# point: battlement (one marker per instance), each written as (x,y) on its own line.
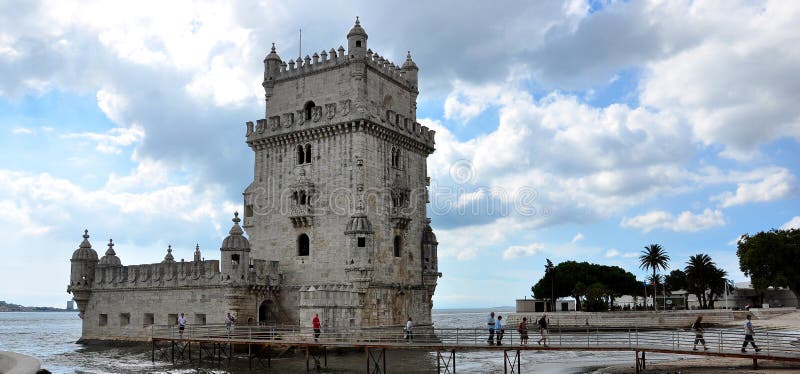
(333,58)
(267,129)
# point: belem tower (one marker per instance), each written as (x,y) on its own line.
(335,216)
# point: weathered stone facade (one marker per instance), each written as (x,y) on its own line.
(335,214)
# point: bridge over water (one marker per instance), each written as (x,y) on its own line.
(217,344)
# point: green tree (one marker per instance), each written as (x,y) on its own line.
(676,280)
(577,279)
(771,258)
(654,257)
(704,279)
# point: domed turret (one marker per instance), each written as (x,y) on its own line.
(357,40)
(235,251)
(84,261)
(110,259)
(235,239)
(410,70)
(272,64)
(197,257)
(84,251)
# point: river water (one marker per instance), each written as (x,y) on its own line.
(51,338)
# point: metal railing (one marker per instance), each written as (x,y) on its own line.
(779,343)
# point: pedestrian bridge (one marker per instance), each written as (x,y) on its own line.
(218,344)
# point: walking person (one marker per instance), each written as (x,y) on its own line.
(490,323)
(181,325)
(748,335)
(499,331)
(229,320)
(409,334)
(543,330)
(315,324)
(697,326)
(522,329)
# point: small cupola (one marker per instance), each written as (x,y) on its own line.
(235,239)
(357,40)
(272,64)
(84,251)
(410,70)
(110,259)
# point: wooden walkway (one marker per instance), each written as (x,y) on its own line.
(217,343)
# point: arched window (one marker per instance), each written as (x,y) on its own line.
(358,43)
(302,245)
(307,108)
(302,198)
(395,158)
(308,153)
(301,158)
(397,245)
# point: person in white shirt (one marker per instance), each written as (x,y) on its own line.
(748,335)
(490,323)
(181,324)
(409,326)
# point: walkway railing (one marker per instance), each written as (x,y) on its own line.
(777,343)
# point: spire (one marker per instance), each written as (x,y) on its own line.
(236,229)
(197,253)
(110,251)
(168,258)
(409,64)
(85,243)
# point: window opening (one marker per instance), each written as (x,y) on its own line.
(302,245)
(362,242)
(103,320)
(235,259)
(308,153)
(397,245)
(308,107)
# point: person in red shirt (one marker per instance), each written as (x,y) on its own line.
(316,325)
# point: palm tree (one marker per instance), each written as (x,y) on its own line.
(654,257)
(705,280)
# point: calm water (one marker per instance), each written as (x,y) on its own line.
(51,338)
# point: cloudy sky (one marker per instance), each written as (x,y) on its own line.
(565,130)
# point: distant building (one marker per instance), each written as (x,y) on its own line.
(541,305)
(71,305)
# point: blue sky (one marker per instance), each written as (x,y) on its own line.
(565,130)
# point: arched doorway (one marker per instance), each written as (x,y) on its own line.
(266,313)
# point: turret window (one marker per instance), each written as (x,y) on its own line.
(303,245)
(398,243)
(235,259)
(358,43)
(308,109)
(362,242)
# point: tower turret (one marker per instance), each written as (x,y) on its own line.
(168,258)
(410,70)
(197,257)
(357,40)
(83,261)
(360,239)
(272,64)
(235,252)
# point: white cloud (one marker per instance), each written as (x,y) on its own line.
(793,223)
(517,251)
(21,131)
(466,254)
(578,237)
(612,253)
(778,185)
(630,255)
(112,140)
(685,222)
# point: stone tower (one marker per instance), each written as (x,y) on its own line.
(339,192)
